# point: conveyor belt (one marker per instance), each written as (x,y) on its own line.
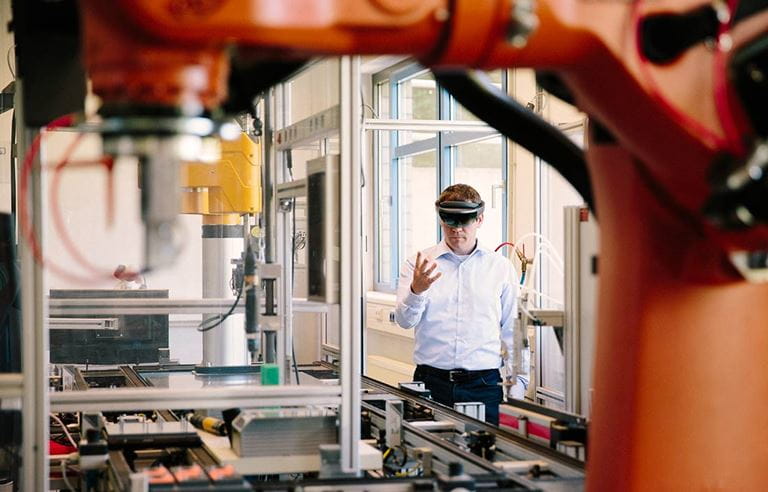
(442,412)
(567,473)
(445,443)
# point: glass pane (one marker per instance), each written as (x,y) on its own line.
(405,137)
(552,369)
(301,155)
(417,98)
(479,164)
(313,90)
(459,112)
(382,100)
(418,223)
(556,194)
(384,203)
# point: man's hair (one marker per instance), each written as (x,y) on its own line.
(459,193)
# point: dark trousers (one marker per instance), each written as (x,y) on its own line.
(483,387)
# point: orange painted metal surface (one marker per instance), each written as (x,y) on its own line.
(173,52)
(680,382)
(128,66)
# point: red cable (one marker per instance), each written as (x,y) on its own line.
(685,121)
(54,200)
(505,243)
(56,211)
(24,221)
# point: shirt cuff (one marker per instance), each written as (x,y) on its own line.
(415,300)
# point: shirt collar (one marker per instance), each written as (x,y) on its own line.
(444,249)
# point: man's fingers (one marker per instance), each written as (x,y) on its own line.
(435,277)
(431,269)
(418,261)
(426,263)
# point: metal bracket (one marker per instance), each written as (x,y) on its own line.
(394,422)
(473,409)
(269,271)
(292,189)
(330,462)
(424,455)
(83,324)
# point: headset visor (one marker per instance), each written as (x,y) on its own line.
(459,214)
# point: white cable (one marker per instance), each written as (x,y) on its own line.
(544,240)
(544,249)
(64,428)
(541,295)
(551,253)
(528,313)
(63,466)
(525,236)
(554,263)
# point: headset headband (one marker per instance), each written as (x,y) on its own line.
(460,208)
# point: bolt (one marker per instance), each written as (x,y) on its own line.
(523,21)
(442,14)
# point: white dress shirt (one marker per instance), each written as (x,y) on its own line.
(464,317)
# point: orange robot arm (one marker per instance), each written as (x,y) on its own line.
(680,383)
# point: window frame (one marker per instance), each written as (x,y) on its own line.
(444,144)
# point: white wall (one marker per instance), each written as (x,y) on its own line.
(82,204)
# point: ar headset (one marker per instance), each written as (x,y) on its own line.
(459,214)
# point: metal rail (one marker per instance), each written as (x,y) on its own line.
(429,125)
(443,412)
(150,398)
(11,385)
(88,307)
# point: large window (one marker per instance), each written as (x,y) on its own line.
(426,141)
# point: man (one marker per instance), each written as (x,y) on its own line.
(461,299)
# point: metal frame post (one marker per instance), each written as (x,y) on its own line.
(351,264)
(285,342)
(35,470)
(572,328)
(283,239)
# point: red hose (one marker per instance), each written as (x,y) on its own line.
(24,220)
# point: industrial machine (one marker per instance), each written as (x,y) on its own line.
(228,196)
(106,340)
(420,445)
(675,93)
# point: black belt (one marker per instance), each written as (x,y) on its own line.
(455,375)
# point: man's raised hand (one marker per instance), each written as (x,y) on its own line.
(424,274)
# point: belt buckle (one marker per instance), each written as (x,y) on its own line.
(454,376)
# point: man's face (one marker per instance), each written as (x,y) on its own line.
(461,240)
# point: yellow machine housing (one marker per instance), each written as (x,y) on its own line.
(227,189)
